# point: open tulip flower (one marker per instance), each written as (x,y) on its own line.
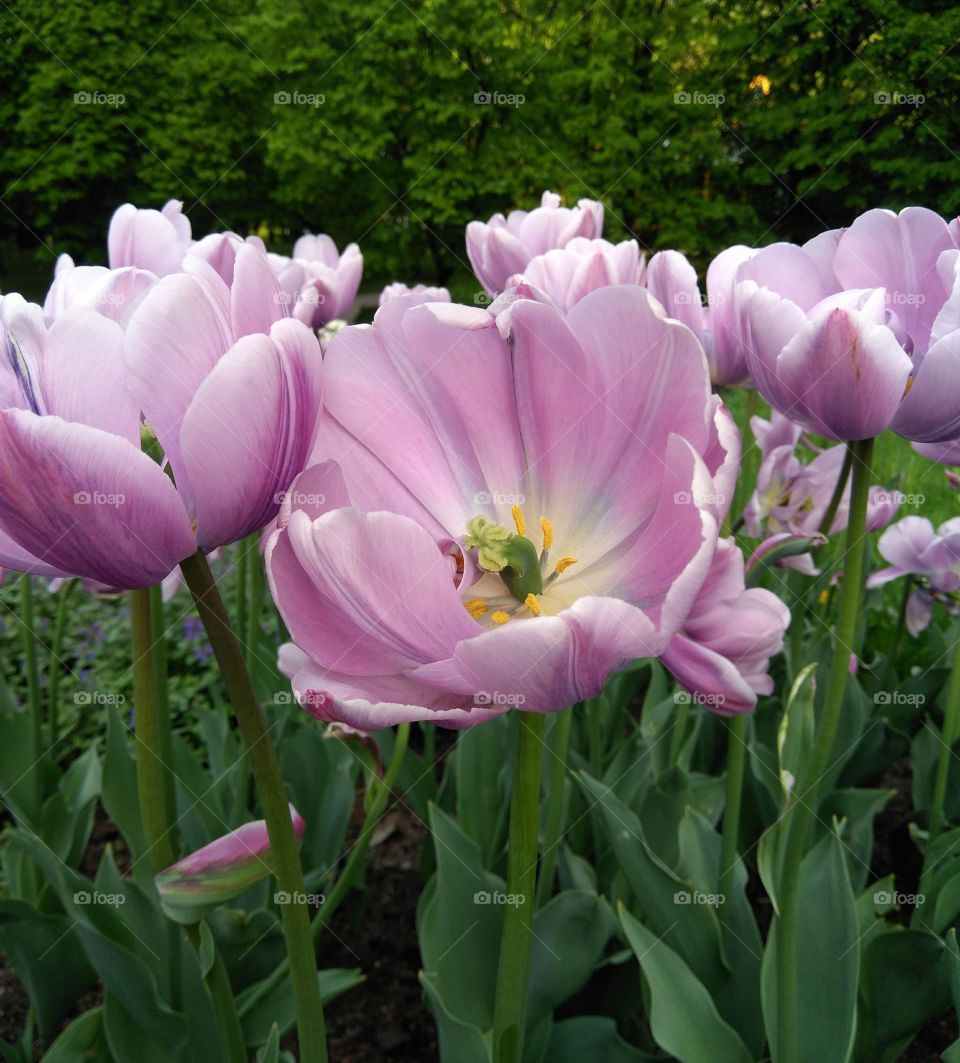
(504,246)
(504,521)
(226,382)
(859,331)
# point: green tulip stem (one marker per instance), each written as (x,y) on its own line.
(951,727)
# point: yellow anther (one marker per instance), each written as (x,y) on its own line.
(500,617)
(476,607)
(824,596)
(519,521)
(564,563)
(533,605)
(547,528)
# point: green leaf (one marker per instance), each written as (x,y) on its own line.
(827,960)
(903,983)
(259,1010)
(795,733)
(683,1017)
(482,777)
(459,1042)
(591,1037)
(120,798)
(47,955)
(84,1039)
(270,1052)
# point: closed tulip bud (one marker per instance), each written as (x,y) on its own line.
(219,871)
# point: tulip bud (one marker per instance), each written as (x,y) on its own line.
(219,871)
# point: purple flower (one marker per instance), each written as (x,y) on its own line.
(858,331)
(504,246)
(505,521)
(913,548)
(319,283)
(152,240)
(227,383)
(723,651)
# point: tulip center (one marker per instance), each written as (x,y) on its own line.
(523,569)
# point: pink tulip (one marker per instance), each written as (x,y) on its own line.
(419,293)
(152,240)
(228,385)
(504,246)
(565,275)
(219,871)
(792,497)
(862,339)
(722,653)
(913,548)
(505,521)
(111,292)
(319,283)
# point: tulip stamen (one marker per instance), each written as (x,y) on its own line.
(476,607)
(499,617)
(519,521)
(533,605)
(563,564)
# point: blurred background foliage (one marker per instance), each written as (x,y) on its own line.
(699,124)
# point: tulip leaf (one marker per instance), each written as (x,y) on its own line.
(270,1052)
(827,960)
(904,981)
(481,773)
(120,798)
(259,1007)
(84,1039)
(459,1042)
(683,1017)
(591,1037)
(47,955)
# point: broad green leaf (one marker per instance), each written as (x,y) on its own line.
(84,1039)
(683,1017)
(459,1042)
(591,1037)
(259,1007)
(482,778)
(827,961)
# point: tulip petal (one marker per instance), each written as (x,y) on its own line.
(250,430)
(88,503)
(930,413)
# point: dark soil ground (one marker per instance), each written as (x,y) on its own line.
(384,1019)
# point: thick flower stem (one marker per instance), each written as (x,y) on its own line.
(736,758)
(951,726)
(155,785)
(55,669)
(509,1012)
(33,690)
(273,799)
(153,776)
(560,740)
(804,807)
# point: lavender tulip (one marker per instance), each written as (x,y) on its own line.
(421,293)
(505,521)
(504,246)
(565,275)
(859,331)
(219,871)
(111,292)
(319,282)
(152,240)
(722,654)
(913,548)
(228,385)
